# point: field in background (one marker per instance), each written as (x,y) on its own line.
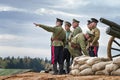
(4,72)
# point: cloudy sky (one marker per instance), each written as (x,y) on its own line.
(19,37)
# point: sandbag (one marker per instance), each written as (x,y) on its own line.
(117,61)
(111,67)
(83,56)
(93,60)
(75,72)
(104,59)
(82,67)
(116,73)
(75,66)
(82,60)
(75,58)
(99,66)
(87,71)
(101,72)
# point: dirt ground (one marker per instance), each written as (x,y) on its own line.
(46,76)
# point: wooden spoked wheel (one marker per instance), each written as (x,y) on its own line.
(111,49)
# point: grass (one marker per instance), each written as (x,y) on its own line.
(5,72)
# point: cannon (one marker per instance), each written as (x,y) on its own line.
(114,31)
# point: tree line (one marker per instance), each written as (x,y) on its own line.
(35,64)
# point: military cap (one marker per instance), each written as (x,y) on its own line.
(59,20)
(88,22)
(89,33)
(94,20)
(74,20)
(68,23)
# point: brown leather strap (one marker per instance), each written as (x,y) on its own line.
(56,37)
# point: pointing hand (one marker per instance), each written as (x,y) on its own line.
(36,24)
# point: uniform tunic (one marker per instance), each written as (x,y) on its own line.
(55,30)
(80,40)
(95,44)
(74,52)
(76,31)
(96,33)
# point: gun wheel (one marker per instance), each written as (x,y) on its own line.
(110,49)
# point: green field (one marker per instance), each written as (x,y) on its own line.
(4,72)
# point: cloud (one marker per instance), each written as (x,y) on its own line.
(25,41)
(109,3)
(8,37)
(6,51)
(70,4)
(91,8)
(11,40)
(16,14)
(43,11)
(76,4)
(9,8)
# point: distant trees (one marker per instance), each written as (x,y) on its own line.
(36,64)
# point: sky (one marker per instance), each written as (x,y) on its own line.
(19,37)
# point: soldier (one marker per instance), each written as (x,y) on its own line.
(80,40)
(66,51)
(94,44)
(57,43)
(89,25)
(90,49)
(77,29)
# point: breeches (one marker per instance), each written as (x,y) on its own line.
(57,54)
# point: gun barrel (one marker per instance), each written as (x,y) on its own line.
(110,23)
(113,32)
(113,29)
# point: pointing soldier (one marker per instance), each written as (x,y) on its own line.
(57,40)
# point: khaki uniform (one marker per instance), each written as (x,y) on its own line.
(76,31)
(60,41)
(74,52)
(57,44)
(96,37)
(93,50)
(93,43)
(79,41)
(67,39)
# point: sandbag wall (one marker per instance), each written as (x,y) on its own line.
(85,65)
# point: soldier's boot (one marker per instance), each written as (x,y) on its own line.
(60,69)
(68,69)
(55,71)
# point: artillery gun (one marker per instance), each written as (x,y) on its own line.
(114,31)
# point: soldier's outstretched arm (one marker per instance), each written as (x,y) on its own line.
(47,28)
(36,24)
